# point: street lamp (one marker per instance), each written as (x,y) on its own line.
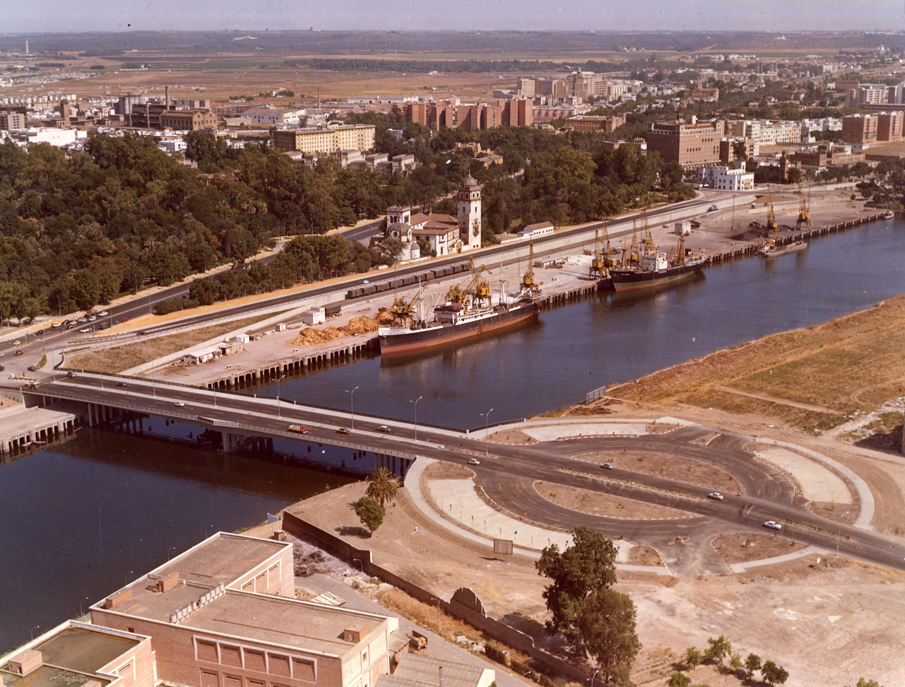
(360,568)
(278,394)
(352,405)
(593,676)
(416,415)
(486,428)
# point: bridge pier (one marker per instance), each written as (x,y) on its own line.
(231,441)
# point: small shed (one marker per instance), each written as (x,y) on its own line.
(683,228)
(242,339)
(314,316)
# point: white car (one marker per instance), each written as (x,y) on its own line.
(85,330)
(17,342)
(179,404)
(103,313)
(716,496)
(474,461)
(772,525)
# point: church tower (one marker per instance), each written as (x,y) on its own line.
(469,201)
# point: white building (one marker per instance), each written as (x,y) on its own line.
(55,137)
(274,116)
(726,178)
(469,204)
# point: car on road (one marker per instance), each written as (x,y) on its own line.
(385,429)
(20,352)
(103,313)
(92,318)
(17,342)
(56,324)
(772,525)
(343,430)
(179,404)
(82,320)
(85,330)
(607,466)
(712,208)
(125,319)
(474,461)
(120,384)
(715,495)
(32,368)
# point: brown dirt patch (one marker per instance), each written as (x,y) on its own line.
(443,470)
(598,503)
(124,357)
(512,436)
(846,514)
(742,548)
(681,469)
(356,327)
(848,364)
(644,555)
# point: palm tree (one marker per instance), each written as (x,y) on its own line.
(382,486)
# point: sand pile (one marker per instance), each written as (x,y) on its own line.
(356,327)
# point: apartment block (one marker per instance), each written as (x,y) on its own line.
(12,120)
(691,144)
(524,87)
(890,125)
(859,129)
(326,139)
(514,112)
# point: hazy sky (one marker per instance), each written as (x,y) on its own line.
(187,15)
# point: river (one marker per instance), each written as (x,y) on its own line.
(78,519)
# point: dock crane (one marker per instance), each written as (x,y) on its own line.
(772,231)
(529,286)
(403,311)
(804,215)
(602,260)
(633,256)
(477,288)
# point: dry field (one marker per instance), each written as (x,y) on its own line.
(124,357)
(741,548)
(679,468)
(814,379)
(597,503)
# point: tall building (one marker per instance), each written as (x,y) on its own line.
(860,129)
(12,120)
(890,125)
(469,204)
(326,140)
(514,112)
(691,144)
(524,87)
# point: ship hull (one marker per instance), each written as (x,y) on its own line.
(632,280)
(421,339)
(783,250)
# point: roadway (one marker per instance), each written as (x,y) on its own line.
(507,472)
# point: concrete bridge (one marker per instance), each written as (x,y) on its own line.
(239,419)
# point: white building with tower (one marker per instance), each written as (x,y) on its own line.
(469,202)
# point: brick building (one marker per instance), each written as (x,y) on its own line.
(515,112)
(890,125)
(691,144)
(859,129)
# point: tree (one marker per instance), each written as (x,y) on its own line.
(752,664)
(868,683)
(693,657)
(370,513)
(718,649)
(774,674)
(607,627)
(586,567)
(678,679)
(382,486)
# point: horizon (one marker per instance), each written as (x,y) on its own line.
(646,16)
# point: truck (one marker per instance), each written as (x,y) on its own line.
(301,429)
(417,640)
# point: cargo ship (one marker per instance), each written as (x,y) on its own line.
(467,313)
(654,269)
(769,249)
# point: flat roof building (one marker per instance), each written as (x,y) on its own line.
(859,129)
(691,144)
(326,139)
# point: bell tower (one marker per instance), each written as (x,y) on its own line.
(469,203)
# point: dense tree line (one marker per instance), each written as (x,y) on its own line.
(365,64)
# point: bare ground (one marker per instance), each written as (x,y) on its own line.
(597,503)
(512,436)
(124,357)
(679,468)
(742,548)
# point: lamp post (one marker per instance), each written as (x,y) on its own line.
(486,428)
(360,568)
(416,415)
(593,676)
(352,405)
(278,394)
